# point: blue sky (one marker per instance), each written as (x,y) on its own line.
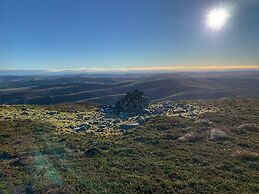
(74,34)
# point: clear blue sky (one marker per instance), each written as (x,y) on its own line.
(70,34)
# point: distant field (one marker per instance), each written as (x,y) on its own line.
(214,153)
(106,89)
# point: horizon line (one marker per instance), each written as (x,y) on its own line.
(144,69)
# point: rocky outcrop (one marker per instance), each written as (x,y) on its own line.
(133,103)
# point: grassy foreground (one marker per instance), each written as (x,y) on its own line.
(215,153)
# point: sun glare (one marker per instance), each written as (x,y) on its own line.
(217,18)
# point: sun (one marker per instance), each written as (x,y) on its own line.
(217,18)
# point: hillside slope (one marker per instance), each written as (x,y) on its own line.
(216,152)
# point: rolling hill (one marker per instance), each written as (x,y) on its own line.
(106,89)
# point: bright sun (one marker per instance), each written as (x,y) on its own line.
(217,18)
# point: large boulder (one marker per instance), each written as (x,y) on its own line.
(133,103)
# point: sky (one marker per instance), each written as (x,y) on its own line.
(127,35)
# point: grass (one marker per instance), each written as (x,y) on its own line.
(38,157)
(248,155)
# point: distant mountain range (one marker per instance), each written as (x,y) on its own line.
(106,89)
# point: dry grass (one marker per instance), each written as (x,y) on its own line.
(250,127)
(192,137)
(247,155)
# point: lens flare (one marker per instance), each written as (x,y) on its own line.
(217,18)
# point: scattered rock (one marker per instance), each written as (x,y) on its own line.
(141,120)
(102,126)
(122,116)
(107,110)
(167,105)
(116,121)
(52,112)
(100,130)
(178,111)
(80,129)
(85,124)
(24,114)
(147,111)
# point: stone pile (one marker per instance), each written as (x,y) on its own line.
(133,103)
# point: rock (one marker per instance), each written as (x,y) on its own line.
(132,103)
(191,137)
(218,135)
(95,122)
(100,130)
(86,118)
(141,120)
(178,111)
(79,116)
(107,110)
(190,113)
(116,121)
(147,111)
(52,112)
(180,105)
(167,105)
(85,124)
(159,111)
(80,129)
(186,137)
(71,126)
(122,116)
(127,126)
(24,114)
(190,109)
(102,126)
(92,152)
(204,121)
